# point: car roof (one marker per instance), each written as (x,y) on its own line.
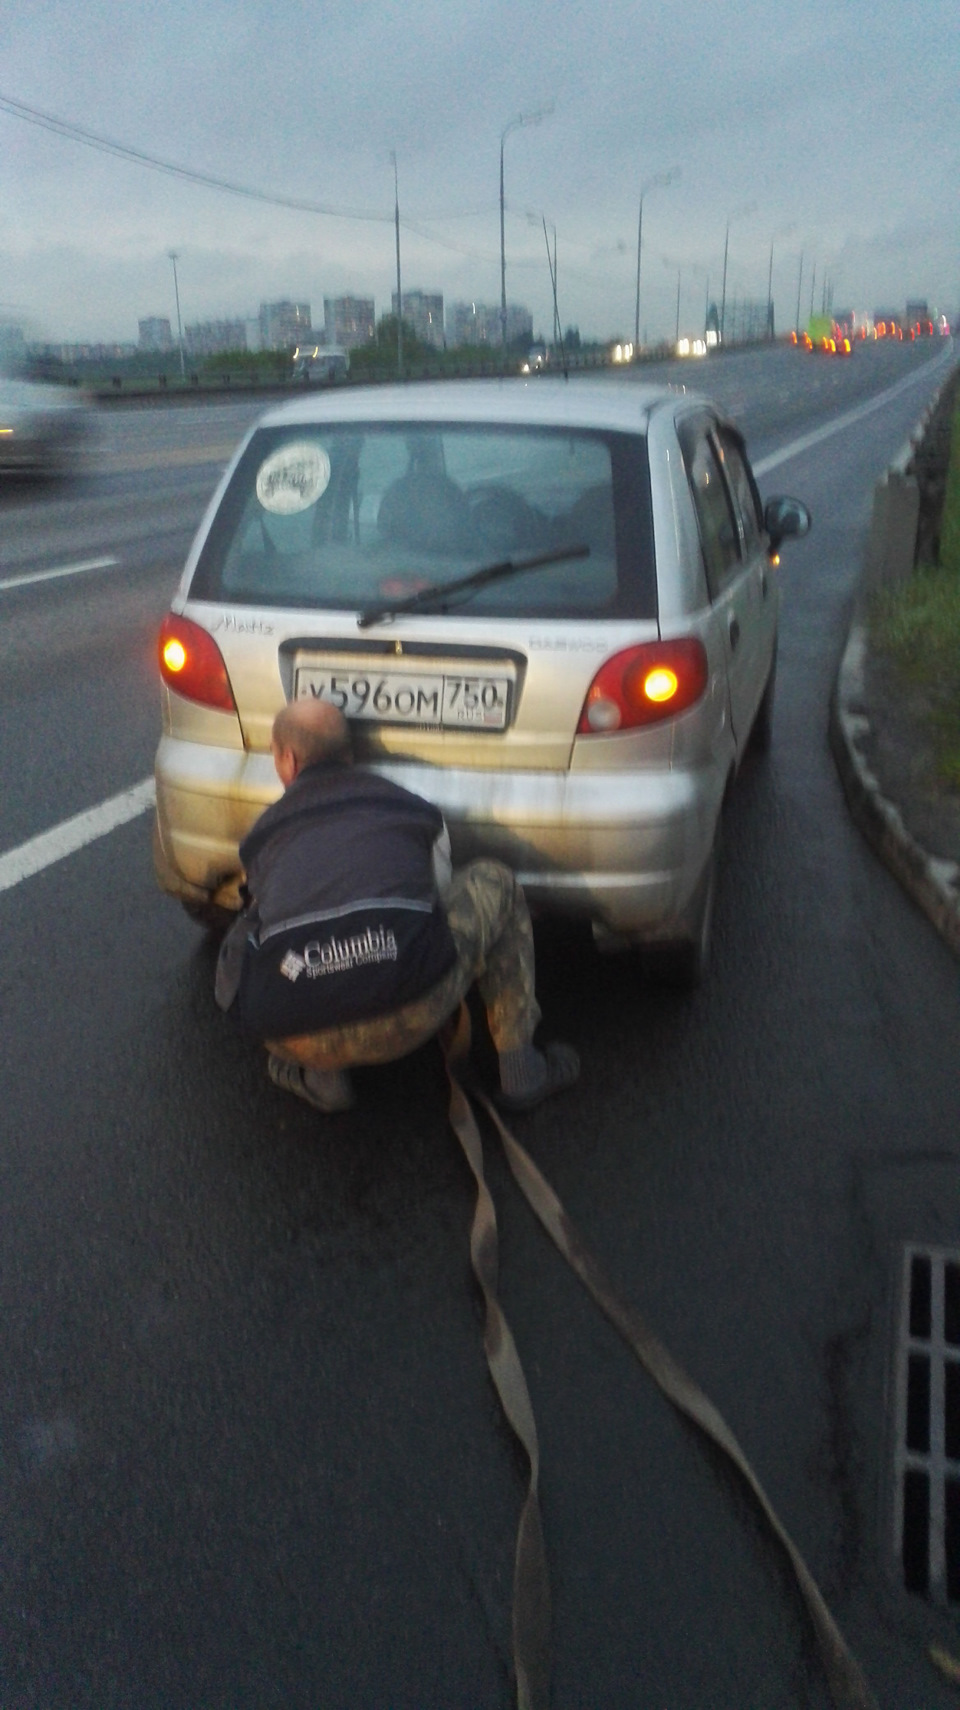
(622,405)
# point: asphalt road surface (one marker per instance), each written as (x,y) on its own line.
(249,1453)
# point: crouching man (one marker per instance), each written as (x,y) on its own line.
(358,942)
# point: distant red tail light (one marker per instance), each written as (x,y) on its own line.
(644,685)
(192,665)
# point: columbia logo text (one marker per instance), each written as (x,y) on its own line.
(339,955)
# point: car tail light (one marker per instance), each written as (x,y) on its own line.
(192,665)
(644,685)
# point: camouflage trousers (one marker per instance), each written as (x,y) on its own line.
(490,923)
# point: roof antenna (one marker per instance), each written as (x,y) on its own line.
(552,264)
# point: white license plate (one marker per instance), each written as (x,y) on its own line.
(449,699)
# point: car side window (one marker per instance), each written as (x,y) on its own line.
(719,535)
(744,492)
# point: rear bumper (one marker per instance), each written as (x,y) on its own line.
(622,848)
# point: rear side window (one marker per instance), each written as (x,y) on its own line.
(719,535)
(743,490)
(345,515)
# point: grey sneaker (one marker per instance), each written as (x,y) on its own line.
(328,1090)
(561,1070)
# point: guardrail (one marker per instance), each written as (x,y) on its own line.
(169,389)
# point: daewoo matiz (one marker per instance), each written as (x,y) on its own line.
(551,608)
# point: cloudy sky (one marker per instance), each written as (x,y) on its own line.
(831,129)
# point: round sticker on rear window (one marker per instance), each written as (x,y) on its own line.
(293,477)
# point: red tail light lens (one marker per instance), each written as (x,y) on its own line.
(191,664)
(644,685)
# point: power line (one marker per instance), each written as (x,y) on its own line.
(173,169)
(108,145)
(124,151)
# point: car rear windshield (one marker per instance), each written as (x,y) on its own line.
(346,516)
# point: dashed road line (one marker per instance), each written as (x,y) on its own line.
(40,852)
(61,570)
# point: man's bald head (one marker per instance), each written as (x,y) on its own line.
(307,733)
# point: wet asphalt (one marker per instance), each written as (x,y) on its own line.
(249,1453)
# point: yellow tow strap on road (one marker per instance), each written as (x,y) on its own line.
(531,1590)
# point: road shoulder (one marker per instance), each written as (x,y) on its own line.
(879,752)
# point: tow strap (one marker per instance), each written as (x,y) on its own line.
(531,1588)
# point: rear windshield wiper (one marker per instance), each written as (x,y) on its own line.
(460,584)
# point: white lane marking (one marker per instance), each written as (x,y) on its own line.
(63,570)
(73,834)
(796,446)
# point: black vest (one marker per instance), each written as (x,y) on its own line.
(347,925)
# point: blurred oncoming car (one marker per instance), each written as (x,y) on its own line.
(44,430)
(550,608)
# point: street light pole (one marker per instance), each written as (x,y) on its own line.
(174,257)
(657,183)
(799,288)
(677,336)
(516,124)
(636,318)
(783,232)
(541,219)
(552,265)
(396,221)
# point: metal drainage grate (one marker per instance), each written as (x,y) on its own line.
(927,1491)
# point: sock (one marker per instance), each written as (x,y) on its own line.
(522,1071)
(332,1086)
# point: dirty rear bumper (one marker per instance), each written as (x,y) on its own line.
(625,849)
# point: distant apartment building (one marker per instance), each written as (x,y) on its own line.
(349,321)
(13,348)
(423,311)
(154,333)
(68,353)
(472,323)
(479,323)
(284,324)
(210,338)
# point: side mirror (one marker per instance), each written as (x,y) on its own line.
(785,519)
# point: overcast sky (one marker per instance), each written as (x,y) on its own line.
(839,121)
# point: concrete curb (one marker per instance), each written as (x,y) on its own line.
(933,885)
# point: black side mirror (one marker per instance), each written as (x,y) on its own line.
(785,519)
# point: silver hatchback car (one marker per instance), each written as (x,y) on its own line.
(550,608)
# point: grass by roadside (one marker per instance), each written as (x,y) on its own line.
(917,626)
